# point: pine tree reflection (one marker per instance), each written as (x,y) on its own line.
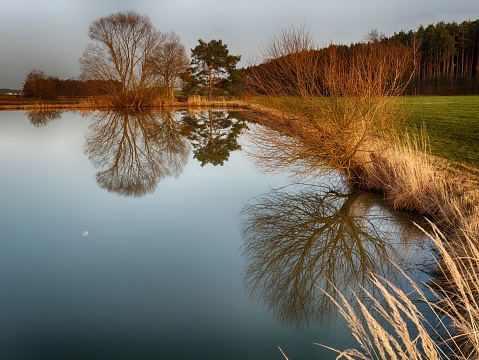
(42,118)
(296,244)
(135,150)
(213,134)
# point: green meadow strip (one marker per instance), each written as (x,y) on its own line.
(451,123)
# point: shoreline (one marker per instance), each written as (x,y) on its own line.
(100,104)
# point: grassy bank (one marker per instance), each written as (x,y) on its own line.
(413,172)
(451,123)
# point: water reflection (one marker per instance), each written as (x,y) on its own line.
(135,150)
(42,118)
(298,242)
(214,134)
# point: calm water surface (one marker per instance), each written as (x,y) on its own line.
(154,237)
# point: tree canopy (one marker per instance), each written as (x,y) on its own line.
(448,57)
(211,63)
(126,52)
(169,61)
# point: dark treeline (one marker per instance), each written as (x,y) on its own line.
(42,86)
(445,61)
(448,58)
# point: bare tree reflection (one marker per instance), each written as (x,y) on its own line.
(297,243)
(214,134)
(135,150)
(42,118)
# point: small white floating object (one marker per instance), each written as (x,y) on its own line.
(85,233)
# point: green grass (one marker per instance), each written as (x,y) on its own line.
(451,123)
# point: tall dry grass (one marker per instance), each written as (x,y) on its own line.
(221,101)
(410,179)
(402,331)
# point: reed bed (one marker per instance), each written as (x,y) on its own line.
(410,179)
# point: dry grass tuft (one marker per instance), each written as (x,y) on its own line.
(402,332)
(222,102)
(410,179)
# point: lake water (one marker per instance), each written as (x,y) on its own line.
(154,237)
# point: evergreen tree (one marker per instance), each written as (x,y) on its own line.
(212,65)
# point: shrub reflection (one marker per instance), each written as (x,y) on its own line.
(299,243)
(42,118)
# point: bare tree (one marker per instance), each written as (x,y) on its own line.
(290,67)
(37,84)
(337,106)
(32,81)
(169,61)
(119,55)
(373,36)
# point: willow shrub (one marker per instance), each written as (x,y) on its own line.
(337,103)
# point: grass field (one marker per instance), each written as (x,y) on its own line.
(452,124)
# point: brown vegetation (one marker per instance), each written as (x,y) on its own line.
(98,102)
(20,103)
(338,109)
(338,105)
(452,297)
(126,53)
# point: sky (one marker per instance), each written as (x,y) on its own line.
(51,35)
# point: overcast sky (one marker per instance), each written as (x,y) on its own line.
(51,35)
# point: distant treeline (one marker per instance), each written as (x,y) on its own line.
(41,86)
(445,59)
(448,58)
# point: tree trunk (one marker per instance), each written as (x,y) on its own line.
(211,82)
